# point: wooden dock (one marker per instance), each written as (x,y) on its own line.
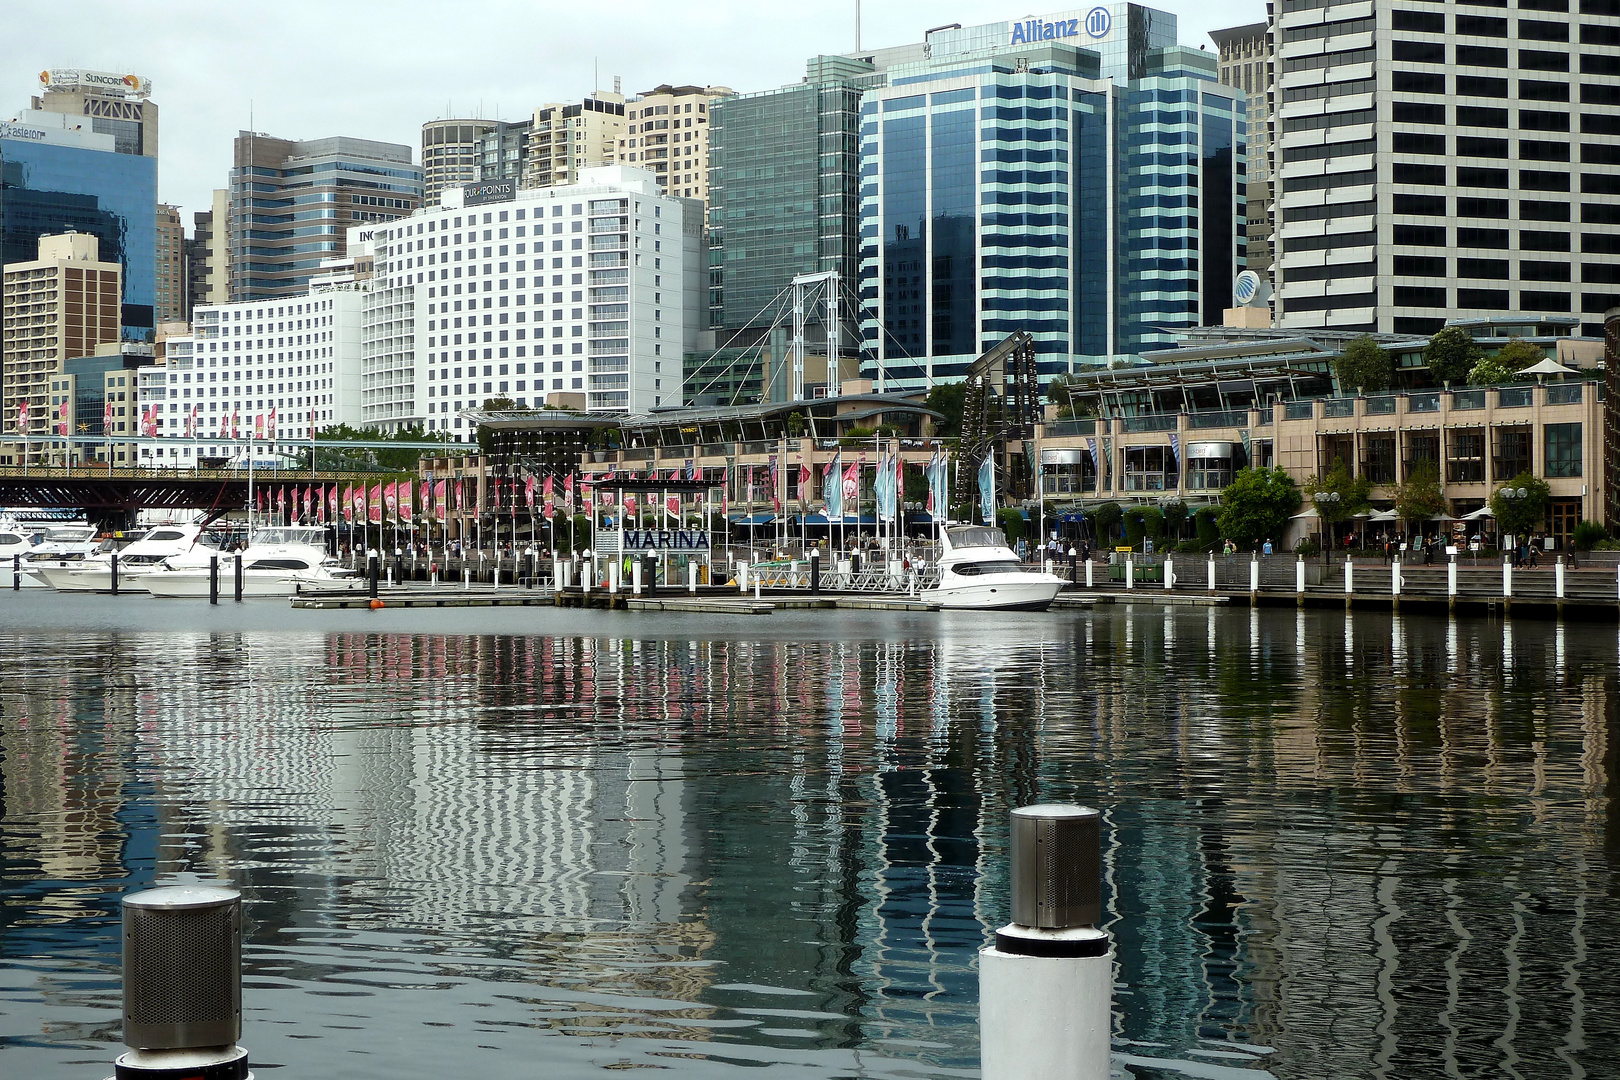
(714,601)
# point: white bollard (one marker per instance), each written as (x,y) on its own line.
(1507,577)
(1254,575)
(691,577)
(613,577)
(742,577)
(1212,573)
(1046,985)
(556,575)
(1088,573)
(1451,578)
(1169,574)
(585,575)
(756,586)
(390,575)
(635,577)
(1130,573)
(1395,578)
(1349,576)
(466,576)
(1558,578)
(1299,574)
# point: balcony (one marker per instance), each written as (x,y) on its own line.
(1565,393)
(1299,410)
(1466,400)
(1232,418)
(1423,403)
(1058,429)
(1513,397)
(1383,405)
(1159,422)
(1337,408)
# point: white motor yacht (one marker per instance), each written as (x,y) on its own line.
(15,546)
(94,574)
(278,561)
(62,547)
(978,570)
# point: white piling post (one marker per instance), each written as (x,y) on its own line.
(1212,573)
(1395,578)
(613,577)
(1046,985)
(585,575)
(1558,578)
(691,577)
(390,575)
(1349,576)
(1088,573)
(1451,578)
(1507,577)
(1254,575)
(466,576)
(1299,575)
(756,586)
(1169,574)
(556,576)
(635,577)
(1130,573)
(742,577)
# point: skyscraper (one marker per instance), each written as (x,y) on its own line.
(783,199)
(1446,162)
(116,105)
(450,152)
(170,296)
(1246,64)
(667,133)
(1078,176)
(563,139)
(300,198)
(58,176)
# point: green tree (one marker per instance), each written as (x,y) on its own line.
(1521,516)
(1452,353)
(1506,364)
(1342,497)
(1206,523)
(1142,522)
(1364,365)
(947,399)
(1175,518)
(1061,392)
(1011,523)
(1420,497)
(1257,504)
(1103,519)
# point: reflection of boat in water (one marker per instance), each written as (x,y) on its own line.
(279,560)
(978,570)
(144,556)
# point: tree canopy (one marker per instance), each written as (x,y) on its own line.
(1521,516)
(948,398)
(1506,364)
(1364,365)
(1420,496)
(1060,392)
(1352,492)
(1257,504)
(1452,353)
(369,457)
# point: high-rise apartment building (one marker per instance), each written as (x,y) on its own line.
(116,105)
(784,199)
(170,296)
(502,151)
(450,153)
(291,204)
(61,304)
(590,288)
(1438,161)
(667,134)
(1245,64)
(563,139)
(58,176)
(1078,176)
(208,255)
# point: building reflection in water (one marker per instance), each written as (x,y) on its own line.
(1337,845)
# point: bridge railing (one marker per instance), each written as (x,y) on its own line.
(90,471)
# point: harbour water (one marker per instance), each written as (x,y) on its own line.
(561,843)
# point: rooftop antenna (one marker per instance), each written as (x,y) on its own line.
(857,25)
(596,75)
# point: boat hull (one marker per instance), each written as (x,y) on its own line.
(94,580)
(997,593)
(187,584)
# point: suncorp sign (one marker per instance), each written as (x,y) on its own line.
(1092,26)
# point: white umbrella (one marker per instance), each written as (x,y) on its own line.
(1482,512)
(1383,515)
(1548,366)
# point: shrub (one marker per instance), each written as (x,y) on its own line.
(1105,517)
(1206,524)
(1011,522)
(1191,547)
(1307,548)
(1587,535)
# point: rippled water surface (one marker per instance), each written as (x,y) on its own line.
(562,844)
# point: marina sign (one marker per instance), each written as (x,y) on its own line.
(652,540)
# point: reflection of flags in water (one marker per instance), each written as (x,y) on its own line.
(832,486)
(987,490)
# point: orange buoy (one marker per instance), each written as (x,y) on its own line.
(377,605)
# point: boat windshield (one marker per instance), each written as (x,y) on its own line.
(290,535)
(976,536)
(975,569)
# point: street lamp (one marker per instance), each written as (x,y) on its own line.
(1323,499)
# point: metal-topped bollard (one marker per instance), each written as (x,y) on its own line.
(183,985)
(1046,985)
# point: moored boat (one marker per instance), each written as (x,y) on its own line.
(279,560)
(979,571)
(94,573)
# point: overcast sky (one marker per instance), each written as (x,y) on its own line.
(305,69)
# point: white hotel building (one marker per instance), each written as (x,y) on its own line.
(590,291)
(297,357)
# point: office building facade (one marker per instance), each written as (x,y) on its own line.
(450,153)
(56,176)
(592,288)
(667,134)
(110,103)
(171,266)
(291,204)
(1077,176)
(783,192)
(1245,63)
(61,304)
(1437,162)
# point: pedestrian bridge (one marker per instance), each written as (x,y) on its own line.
(103,493)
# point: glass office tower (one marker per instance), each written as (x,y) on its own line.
(1076,176)
(53,182)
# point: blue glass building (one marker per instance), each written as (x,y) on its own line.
(1077,176)
(49,185)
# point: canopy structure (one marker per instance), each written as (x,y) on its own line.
(1383,515)
(1482,512)
(755,519)
(1548,366)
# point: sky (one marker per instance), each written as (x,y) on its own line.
(308,69)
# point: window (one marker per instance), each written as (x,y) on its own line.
(1415,296)
(1422,205)
(1419,236)
(1482,26)
(1419,52)
(1419,82)
(1542,180)
(1472,146)
(1420,266)
(1425,22)
(1468,176)
(1419,112)
(1481,86)
(1538,150)
(1495,269)
(1473,116)
(1532,210)
(1537,90)
(1495,239)
(1481,56)
(1542,30)
(1482,208)
(1407,142)
(1562,450)
(1543,241)
(1408,173)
